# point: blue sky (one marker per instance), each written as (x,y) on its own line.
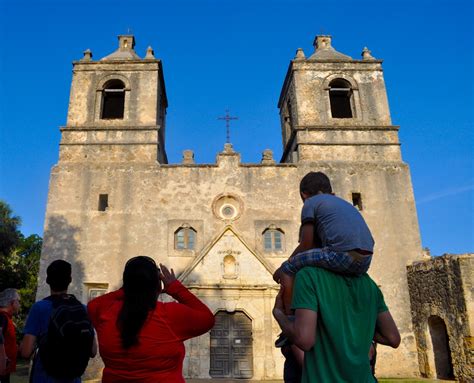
(234,54)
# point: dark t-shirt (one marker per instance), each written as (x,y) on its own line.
(338,224)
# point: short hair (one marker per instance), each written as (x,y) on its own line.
(58,275)
(7,296)
(315,182)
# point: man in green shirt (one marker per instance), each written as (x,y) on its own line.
(336,319)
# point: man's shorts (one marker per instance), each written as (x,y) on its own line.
(346,263)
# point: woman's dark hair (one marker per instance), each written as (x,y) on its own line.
(315,182)
(141,285)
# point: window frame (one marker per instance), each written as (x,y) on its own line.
(99,99)
(110,88)
(341,88)
(356,108)
(271,234)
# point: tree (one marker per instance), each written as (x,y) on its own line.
(19,260)
(9,233)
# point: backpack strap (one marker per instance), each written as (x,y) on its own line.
(57,299)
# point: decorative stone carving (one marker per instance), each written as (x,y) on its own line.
(227,207)
(367,54)
(188,157)
(87,55)
(300,54)
(267,157)
(150,54)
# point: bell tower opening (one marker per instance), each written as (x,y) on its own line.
(340,97)
(113,100)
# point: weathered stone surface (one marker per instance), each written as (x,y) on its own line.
(442,290)
(228,204)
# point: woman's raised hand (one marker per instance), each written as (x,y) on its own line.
(167,276)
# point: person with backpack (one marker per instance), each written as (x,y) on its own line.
(58,332)
(9,305)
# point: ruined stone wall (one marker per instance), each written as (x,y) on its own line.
(442,288)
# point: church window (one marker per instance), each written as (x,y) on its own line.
(185,238)
(95,290)
(273,240)
(340,97)
(113,100)
(357,200)
(103,202)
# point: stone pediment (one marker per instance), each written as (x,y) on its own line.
(228,261)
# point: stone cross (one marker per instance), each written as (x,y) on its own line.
(227,119)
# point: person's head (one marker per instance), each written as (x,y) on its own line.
(58,275)
(10,301)
(141,285)
(315,183)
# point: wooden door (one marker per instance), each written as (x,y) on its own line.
(231,346)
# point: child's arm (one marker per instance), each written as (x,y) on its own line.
(307,239)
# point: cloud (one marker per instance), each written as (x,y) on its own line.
(444,193)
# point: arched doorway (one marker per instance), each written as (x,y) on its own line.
(231,346)
(441,351)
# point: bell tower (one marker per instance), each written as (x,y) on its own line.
(117,108)
(335,118)
(333,107)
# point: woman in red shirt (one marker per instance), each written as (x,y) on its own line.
(140,339)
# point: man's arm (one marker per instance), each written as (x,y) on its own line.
(301,332)
(386,331)
(27,346)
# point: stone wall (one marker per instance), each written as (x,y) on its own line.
(148,201)
(147,204)
(442,296)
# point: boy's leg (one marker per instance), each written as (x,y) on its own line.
(339,262)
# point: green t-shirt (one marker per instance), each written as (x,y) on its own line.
(347,310)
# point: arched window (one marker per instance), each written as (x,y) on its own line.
(340,97)
(113,100)
(185,238)
(273,239)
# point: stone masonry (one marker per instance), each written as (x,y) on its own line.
(226,226)
(442,296)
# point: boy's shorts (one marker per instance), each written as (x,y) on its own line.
(346,263)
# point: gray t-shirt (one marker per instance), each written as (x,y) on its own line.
(338,224)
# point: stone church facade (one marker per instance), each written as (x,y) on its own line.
(226,226)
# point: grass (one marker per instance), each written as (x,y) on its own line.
(21,376)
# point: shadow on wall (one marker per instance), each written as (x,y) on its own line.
(61,242)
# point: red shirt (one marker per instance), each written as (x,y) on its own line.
(11,348)
(159,355)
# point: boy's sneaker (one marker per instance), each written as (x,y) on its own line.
(281,341)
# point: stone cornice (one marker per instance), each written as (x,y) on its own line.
(347,127)
(106,127)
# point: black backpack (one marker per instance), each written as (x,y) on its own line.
(65,350)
